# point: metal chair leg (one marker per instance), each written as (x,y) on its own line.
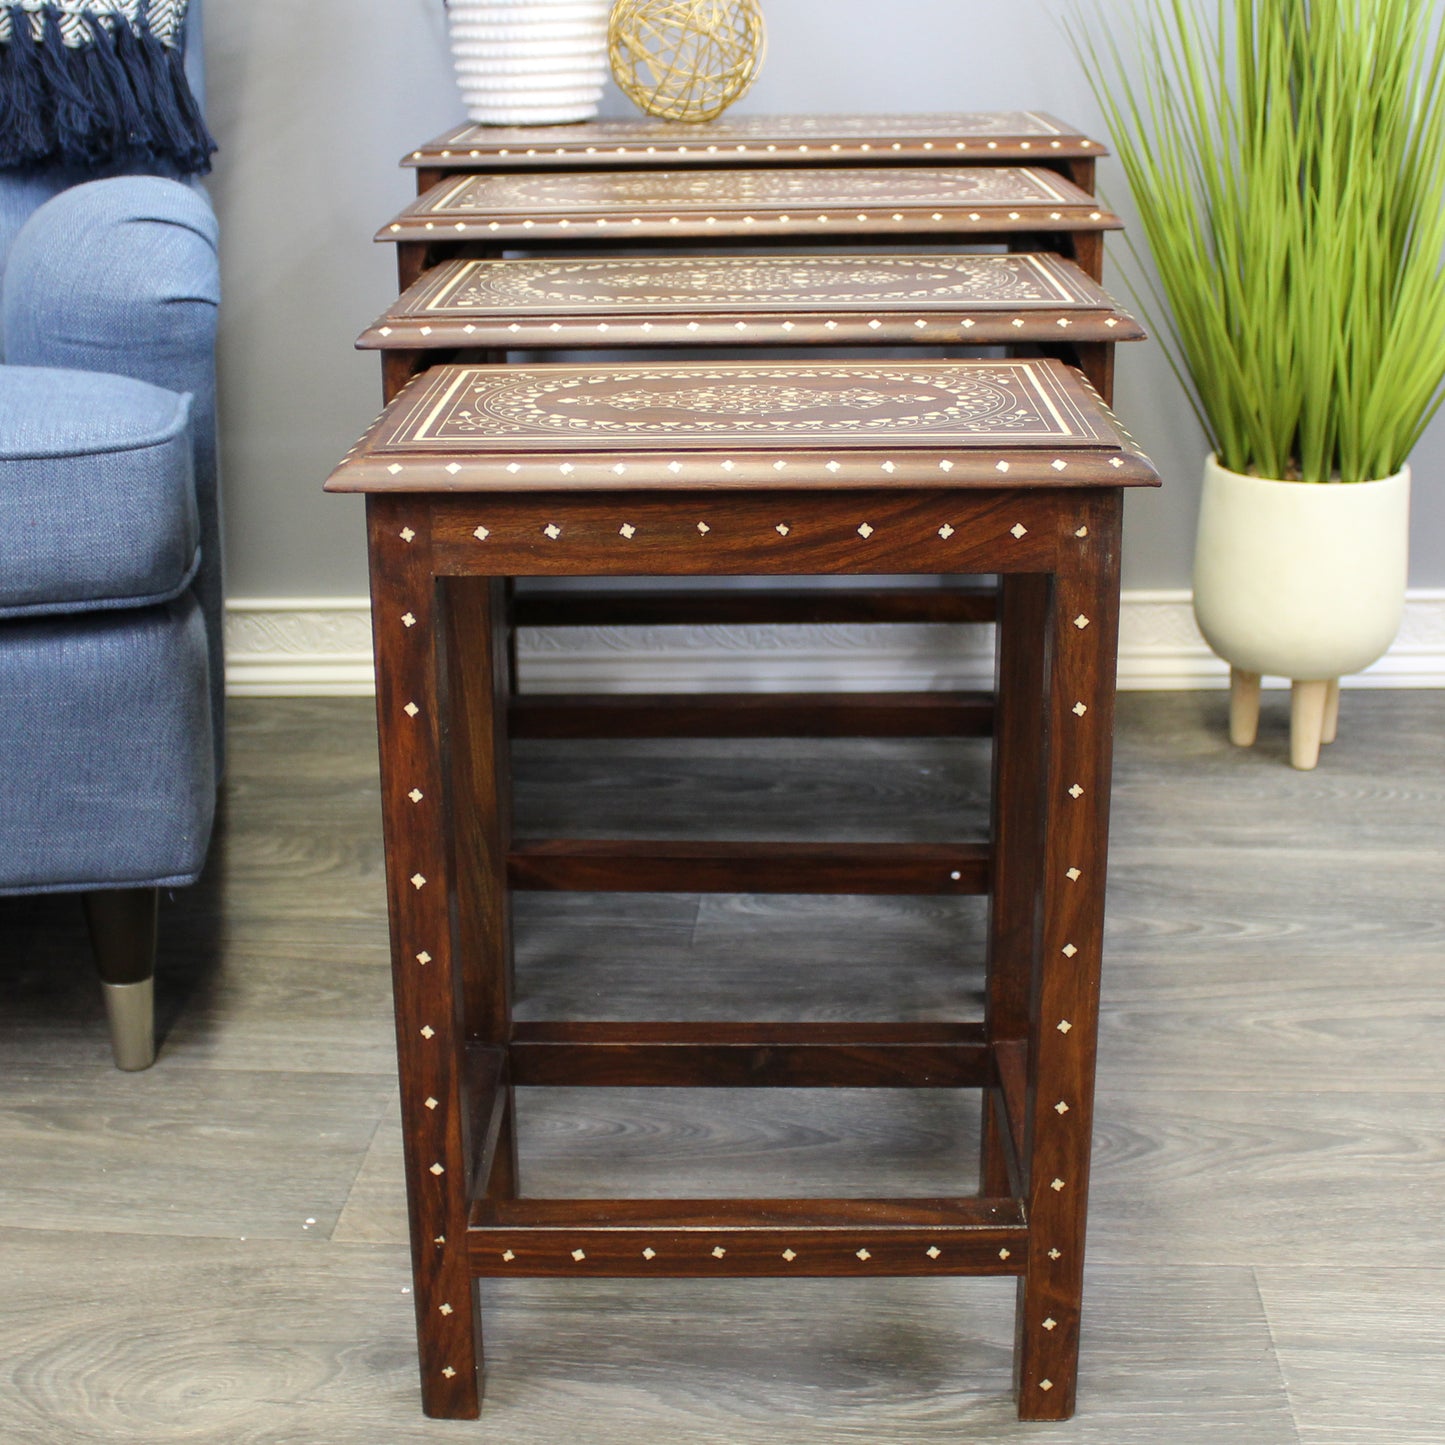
(122,924)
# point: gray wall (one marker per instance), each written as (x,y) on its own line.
(314,103)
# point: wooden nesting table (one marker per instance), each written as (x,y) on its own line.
(475,474)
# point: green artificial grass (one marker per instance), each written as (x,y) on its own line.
(1287,158)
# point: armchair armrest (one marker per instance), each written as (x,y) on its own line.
(117,275)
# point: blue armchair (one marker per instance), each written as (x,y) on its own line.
(110,557)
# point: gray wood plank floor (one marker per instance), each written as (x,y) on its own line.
(214,1251)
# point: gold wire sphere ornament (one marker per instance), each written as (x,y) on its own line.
(685,59)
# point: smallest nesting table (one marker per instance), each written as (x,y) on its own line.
(475,474)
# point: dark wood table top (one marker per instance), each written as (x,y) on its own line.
(749,203)
(730,300)
(741,426)
(758,140)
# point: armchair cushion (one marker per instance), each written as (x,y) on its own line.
(97,496)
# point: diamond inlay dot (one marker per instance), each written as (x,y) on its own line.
(864,1255)
(1061,1107)
(1051,1323)
(933,1251)
(1000,466)
(418,880)
(1003,1254)
(1046,1384)
(789,1255)
(394,468)
(432,1103)
(1116,461)
(579,1255)
(406,534)
(1064,1026)
(833,466)
(1056,1185)
(453,467)
(508,1256)
(1073,875)
(674,467)
(703,528)
(718,1251)
(408,620)
(513,467)
(416,795)
(448,1372)
(444,1309)
(552,530)
(1081,622)
(1082,532)
(945,466)
(481,534)
(781,529)
(1018,530)
(437,1170)
(649,1253)
(1076,791)
(1054,1254)
(889,467)
(627,530)
(945,531)
(865,531)
(1069,950)
(1058,464)
(619,470)
(1079,709)
(411,709)
(427,1031)
(779,466)
(1017,322)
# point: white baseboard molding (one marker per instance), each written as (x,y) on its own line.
(300,647)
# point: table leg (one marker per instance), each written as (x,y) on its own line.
(1081,638)
(410,698)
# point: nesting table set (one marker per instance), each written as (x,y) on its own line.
(910,241)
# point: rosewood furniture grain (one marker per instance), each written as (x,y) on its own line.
(475,474)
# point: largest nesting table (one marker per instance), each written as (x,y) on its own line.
(475,474)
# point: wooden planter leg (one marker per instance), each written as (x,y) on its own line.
(411,701)
(1079,710)
(1307,721)
(1243,707)
(1331,728)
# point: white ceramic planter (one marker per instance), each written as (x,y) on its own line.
(1299,580)
(530,62)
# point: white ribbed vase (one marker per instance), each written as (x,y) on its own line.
(530,62)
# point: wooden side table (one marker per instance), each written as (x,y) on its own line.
(475,474)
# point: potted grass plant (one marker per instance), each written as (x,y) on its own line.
(1287,160)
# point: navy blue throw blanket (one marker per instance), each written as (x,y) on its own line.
(93,83)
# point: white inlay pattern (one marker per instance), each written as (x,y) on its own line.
(427,1031)
(703,528)
(1061,1107)
(718,1251)
(432,1103)
(406,534)
(1068,950)
(1081,622)
(945,531)
(789,1255)
(1082,532)
(444,1309)
(411,709)
(437,1169)
(418,881)
(781,529)
(1003,1254)
(863,1255)
(1073,875)
(1018,530)
(1056,1185)
(1076,791)
(552,530)
(508,1256)
(579,1255)
(627,530)
(423,958)
(481,534)
(649,1253)
(448,1372)
(416,795)
(408,620)
(1055,1254)
(933,1251)
(1046,1385)
(1079,709)
(865,531)
(1064,1026)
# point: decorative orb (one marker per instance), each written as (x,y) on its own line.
(685,59)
